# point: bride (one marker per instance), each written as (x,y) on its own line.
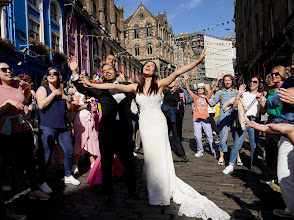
(162,183)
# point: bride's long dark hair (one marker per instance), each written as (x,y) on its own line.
(153,87)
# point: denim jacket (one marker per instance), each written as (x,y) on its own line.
(226,96)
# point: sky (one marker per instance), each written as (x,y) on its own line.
(189,15)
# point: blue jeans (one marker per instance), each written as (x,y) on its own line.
(239,140)
(48,136)
(224,125)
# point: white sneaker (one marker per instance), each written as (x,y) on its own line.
(228,169)
(75,169)
(45,188)
(220,161)
(92,165)
(256,170)
(71,180)
(199,154)
(239,162)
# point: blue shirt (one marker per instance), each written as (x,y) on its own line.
(53,116)
(226,96)
(287,112)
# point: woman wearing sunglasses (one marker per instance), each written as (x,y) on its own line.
(255,104)
(15,133)
(278,76)
(53,104)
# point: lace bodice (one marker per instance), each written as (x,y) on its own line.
(149,102)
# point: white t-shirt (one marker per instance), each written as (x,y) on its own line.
(255,108)
(211,109)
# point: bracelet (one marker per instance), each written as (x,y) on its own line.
(237,99)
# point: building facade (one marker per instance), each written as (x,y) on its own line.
(184,54)
(149,37)
(264,36)
(37,34)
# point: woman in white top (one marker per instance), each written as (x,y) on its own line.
(255,103)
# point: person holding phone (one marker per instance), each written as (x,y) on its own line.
(53,104)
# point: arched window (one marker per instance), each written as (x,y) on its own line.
(149,30)
(136,32)
(137,50)
(53,12)
(71,32)
(149,49)
(35,20)
(84,43)
(56,26)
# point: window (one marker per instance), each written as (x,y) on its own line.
(70,26)
(56,26)
(71,31)
(149,48)
(55,41)
(94,8)
(34,29)
(103,52)
(149,30)
(33,2)
(53,12)
(136,32)
(84,48)
(125,68)
(3,22)
(137,50)
(130,71)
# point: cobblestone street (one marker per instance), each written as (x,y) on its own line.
(240,194)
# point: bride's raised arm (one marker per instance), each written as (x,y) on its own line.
(122,87)
(168,80)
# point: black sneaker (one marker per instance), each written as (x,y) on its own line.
(269,179)
(281,213)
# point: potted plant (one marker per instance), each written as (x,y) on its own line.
(39,48)
(58,55)
(6,46)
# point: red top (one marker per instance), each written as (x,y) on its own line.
(14,92)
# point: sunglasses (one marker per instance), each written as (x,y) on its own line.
(275,74)
(52,74)
(253,81)
(4,69)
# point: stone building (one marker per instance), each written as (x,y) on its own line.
(108,14)
(184,54)
(264,36)
(110,20)
(149,37)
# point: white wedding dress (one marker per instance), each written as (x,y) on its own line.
(162,182)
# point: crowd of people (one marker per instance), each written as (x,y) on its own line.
(83,115)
